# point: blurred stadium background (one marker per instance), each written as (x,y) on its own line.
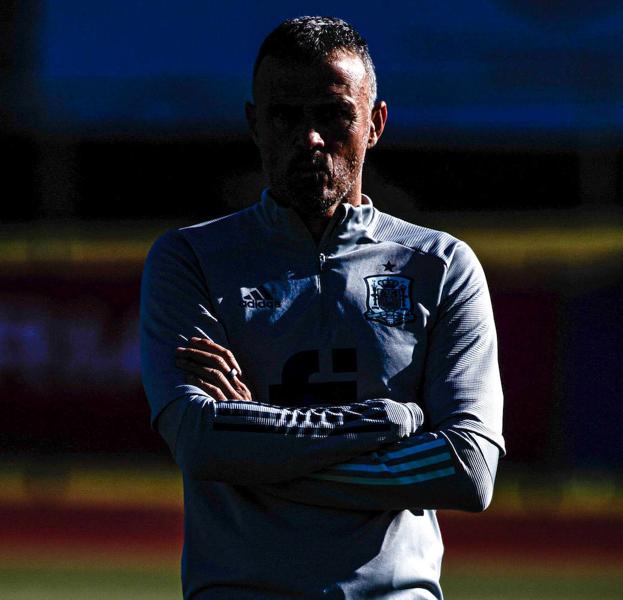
(121,119)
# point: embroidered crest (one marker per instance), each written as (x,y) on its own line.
(389,299)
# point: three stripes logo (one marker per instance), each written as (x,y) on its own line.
(407,463)
(259,298)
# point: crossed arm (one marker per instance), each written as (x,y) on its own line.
(446,469)
(372,455)
(213,428)
(222,434)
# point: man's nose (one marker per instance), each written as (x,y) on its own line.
(311,138)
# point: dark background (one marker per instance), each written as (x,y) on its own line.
(122,119)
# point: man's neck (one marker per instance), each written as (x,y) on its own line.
(317,224)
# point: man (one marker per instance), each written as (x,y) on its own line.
(337,380)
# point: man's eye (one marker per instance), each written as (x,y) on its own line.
(336,114)
(284,114)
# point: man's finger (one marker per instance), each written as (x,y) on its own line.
(232,389)
(202,369)
(213,347)
(207,387)
(227,383)
(214,377)
(202,357)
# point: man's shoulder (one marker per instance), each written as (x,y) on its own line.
(204,239)
(221,227)
(227,229)
(424,240)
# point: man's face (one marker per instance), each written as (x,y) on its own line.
(312,125)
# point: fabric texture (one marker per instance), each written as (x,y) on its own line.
(372,360)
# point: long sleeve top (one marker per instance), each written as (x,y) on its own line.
(372,361)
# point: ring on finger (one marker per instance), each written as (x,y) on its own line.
(232,374)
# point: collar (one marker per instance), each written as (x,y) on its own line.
(349,227)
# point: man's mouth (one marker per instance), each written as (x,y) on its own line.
(311,171)
(312,176)
(310,167)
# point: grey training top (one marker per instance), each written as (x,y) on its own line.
(372,360)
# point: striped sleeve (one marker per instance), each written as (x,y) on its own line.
(373,416)
(405,465)
(250,443)
(451,470)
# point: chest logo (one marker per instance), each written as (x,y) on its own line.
(389,300)
(259,298)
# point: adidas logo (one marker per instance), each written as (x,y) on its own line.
(259,298)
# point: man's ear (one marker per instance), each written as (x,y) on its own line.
(378,119)
(250,111)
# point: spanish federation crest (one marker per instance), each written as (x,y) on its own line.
(389,299)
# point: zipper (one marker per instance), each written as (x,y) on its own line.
(322,265)
(322,259)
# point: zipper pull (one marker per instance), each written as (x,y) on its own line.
(322,258)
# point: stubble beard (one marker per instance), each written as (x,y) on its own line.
(319,199)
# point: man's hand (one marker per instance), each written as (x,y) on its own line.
(213,369)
